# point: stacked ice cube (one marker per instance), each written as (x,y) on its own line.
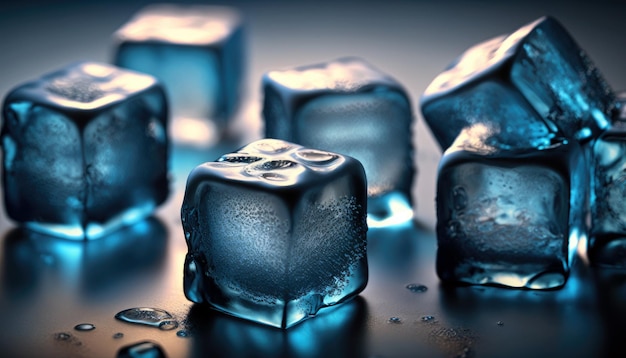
(518,114)
(350,107)
(85,150)
(256,247)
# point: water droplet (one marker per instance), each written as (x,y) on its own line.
(272,145)
(118,335)
(145,349)
(84,327)
(238,158)
(168,325)
(427,318)
(395,320)
(500,323)
(62,336)
(148,316)
(416,287)
(275,164)
(274,177)
(183,333)
(316,156)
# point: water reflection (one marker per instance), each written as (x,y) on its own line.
(339,332)
(611,290)
(531,322)
(96,268)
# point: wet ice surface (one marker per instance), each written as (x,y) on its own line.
(347,106)
(195,50)
(607,244)
(85,150)
(540,63)
(257,249)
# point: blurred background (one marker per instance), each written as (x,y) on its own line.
(48,286)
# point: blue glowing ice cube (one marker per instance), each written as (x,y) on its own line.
(509,217)
(607,242)
(347,106)
(195,50)
(275,232)
(539,64)
(85,150)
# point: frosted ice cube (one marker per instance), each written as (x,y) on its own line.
(275,232)
(195,50)
(347,106)
(85,150)
(538,65)
(607,242)
(509,217)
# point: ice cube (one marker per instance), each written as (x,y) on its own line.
(509,217)
(85,150)
(275,232)
(607,242)
(538,65)
(195,50)
(349,107)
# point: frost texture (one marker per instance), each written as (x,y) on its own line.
(256,246)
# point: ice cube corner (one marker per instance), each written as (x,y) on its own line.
(85,150)
(275,232)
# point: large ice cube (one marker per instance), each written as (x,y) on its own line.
(509,217)
(349,107)
(275,232)
(539,64)
(85,150)
(195,50)
(607,242)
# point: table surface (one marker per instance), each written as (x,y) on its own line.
(47,286)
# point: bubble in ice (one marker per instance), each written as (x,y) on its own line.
(148,316)
(85,327)
(416,287)
(145,349)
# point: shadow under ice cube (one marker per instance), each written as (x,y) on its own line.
(85,150)
(349,107)
(540,64)
(509,217)
(275,232)
(195,50)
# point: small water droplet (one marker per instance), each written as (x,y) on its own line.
(84,327)
(154,317)
(427,318)
(145,349)
(395,320)
(168,325)
(62,336)
(500,323)
(316,156)
(187,235)
(183,333)
(272,145)
(118,335)
(416,287)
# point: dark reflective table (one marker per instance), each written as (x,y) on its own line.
(47,286)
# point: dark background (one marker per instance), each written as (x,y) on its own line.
(47,286)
